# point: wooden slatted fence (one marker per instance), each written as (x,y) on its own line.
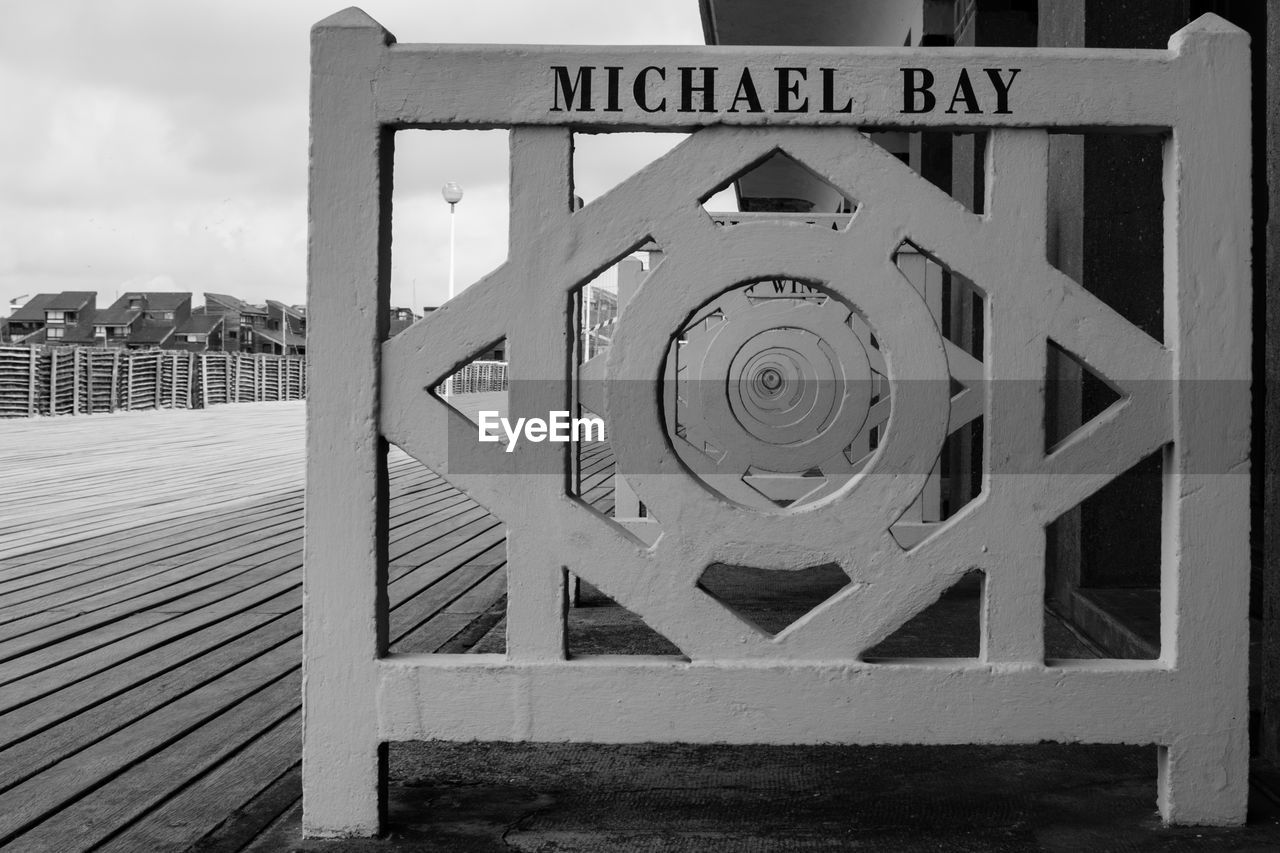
(57,380)
(477,377)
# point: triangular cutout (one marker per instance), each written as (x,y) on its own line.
(958,306)
(1075,395)
(784,489)
(601,161)
(445,561)
(948,628)
(781,187)
(771,599)
(1103,564)
(598,625)
(478,385)
(1109,209)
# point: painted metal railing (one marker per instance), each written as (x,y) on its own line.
(810,682)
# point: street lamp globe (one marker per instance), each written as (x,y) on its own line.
(452,193)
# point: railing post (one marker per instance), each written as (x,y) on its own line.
(1204,774)
(344,575)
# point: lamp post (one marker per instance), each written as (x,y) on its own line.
(452,193)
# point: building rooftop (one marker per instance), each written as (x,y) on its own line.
(277,336)
(153,332)
(72,300)
(290,310)
(68,300)
(154,300)
(234,303)
(200,324)
(116,316)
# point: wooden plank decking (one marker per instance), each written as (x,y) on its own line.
(150,593)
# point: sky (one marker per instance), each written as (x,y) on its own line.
(161,145)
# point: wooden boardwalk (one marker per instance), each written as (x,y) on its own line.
(150,593)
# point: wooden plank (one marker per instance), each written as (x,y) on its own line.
(130,795)
(182,539)
(50,625)
(229,789)
(279,596)
(40,653)
(73,718)
(64,584)
(29,802)
(165,543)
(485,528)
(106,714)
(444,625)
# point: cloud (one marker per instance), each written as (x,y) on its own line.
(152,140)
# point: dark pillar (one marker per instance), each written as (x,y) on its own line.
(930,152)
(1270,692)
(985,23)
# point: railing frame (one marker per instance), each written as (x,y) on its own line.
(808,684)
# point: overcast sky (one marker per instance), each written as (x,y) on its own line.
(161,145)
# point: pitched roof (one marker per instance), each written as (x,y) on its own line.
(232,302)
(288,310)
(34,309)
(82,331)
(274,335)
(116,316)
(149,332)
(72,300)
(201,324)
(153,300)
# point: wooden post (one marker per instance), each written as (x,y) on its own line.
(75,381)
(88,378)
(344,569)
(115,379)
(31,381)
(53,381)
(128,393)
(202,365)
